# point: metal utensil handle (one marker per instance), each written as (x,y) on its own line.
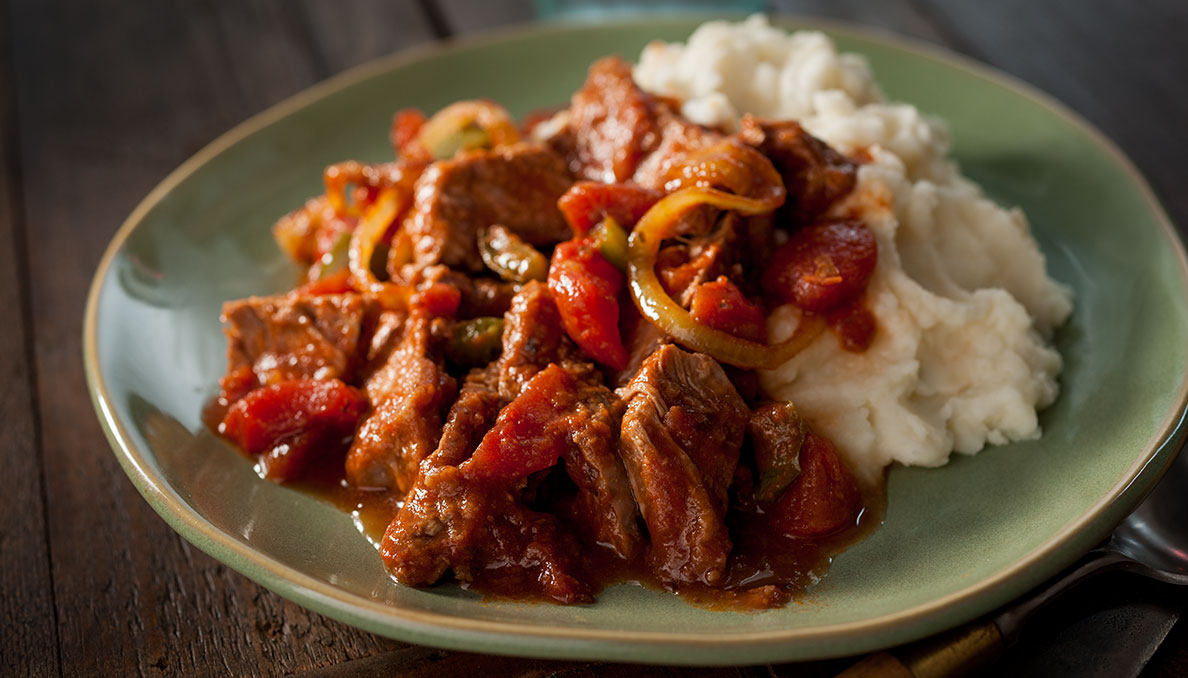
(963,651)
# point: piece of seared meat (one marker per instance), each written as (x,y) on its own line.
(680,444)
(448,522)
(547,406)
(603,508)
(616,132)
(481,297)
(297,336)
(533,338)
(454,200)
(815,175)
(468,517)
(611,125)
(409,395)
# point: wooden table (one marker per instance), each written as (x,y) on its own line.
(99,100)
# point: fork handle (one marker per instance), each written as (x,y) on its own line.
(964,651)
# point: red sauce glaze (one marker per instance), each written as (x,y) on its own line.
(586,288)
(822,266)
(588,202)
(721,305)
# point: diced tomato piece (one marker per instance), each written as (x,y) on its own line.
(530,434)
(338,282)
(823,499)
(293,420)
(237,383)
(588,202)
(721,305)
(406,125)
(853,324)
(586,288)
(437,299)
(822,266)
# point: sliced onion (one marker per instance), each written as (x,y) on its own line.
(371,230)
(446,131)
(655,304)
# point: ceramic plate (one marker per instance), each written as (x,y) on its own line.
(957,542)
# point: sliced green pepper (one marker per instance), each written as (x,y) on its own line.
(467,137)
(611,241)
(777,434)
(510,257)
(475,342)
(335,259)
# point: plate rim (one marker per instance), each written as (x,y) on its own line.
(536,639)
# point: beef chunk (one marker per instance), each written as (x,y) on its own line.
(814,174)
(480,296)
(678,139)
(468,517)
(294,336)
(617,132)
(516,187)
(408,395)
(604,507)
(680,443)
(612,125)
(470,417)
(532,339)
(485,535)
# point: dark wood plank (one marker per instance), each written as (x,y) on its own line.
(345,34)
(28,633)
(1121,65)
(112,95)
(421,662)
(899,16)
(467,16)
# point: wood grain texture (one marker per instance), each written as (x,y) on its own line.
(28,633)
(898,16)
(1120,64)
(111,97)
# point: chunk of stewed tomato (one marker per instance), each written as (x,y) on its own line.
(586,288)
(290,422)
(822,266)
(588,202)
(530,433)
(823,499)
(721,305)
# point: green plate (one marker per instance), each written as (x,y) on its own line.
(958,541)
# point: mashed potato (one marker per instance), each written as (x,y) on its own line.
(963,302)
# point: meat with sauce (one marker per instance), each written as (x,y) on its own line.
(815,175)
(681,436)
(617,132)
(525,474)
(409,395)
(468,517)
(455,199)
(294,336)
